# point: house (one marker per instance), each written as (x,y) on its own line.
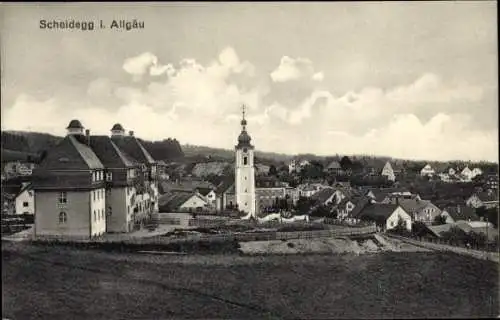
(491,181)
(225,195)
(420,210)
(209,195)
(427,171)
(334,168)
(488,199)
(456,213)
(385,195)
(69,188)
(476,172)
(388,172)
(147,194)
(325,197)
(25,200)
(122,181)
(386,216)
(180,200)
(308,190)
(347,205)
(162,170)
(18,168)
(467,174)
(266,197)
(292,166)
(262,169)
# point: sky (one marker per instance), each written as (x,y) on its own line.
(412,80)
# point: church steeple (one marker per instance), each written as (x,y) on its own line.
(244,138)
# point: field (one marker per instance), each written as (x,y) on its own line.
(62,283)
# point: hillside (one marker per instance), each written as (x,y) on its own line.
(18,145)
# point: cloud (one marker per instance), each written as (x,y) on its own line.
(318,76)
(146,63)
(201,104)
(292,69)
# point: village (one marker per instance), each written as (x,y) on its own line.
(90,187)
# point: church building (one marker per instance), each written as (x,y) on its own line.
(245,172)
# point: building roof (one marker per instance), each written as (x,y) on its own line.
(334,165)
(191,186)
(75,124)
(487,196)
(377,211)
(323,195)
(109,153)
(117,127)
(461,213)
(72,153)
(174,199)
(133,147)
(413,205)
(225,186)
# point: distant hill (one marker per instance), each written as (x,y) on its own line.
(219,154)
(12,155)
(17,145)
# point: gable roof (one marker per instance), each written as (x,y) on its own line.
(413,205)
(71,153)
(377,211)
(323,195)
(133,147)
(224,186)
(487,196)
(461,213)
(174,199)
(109,153)
(334,165)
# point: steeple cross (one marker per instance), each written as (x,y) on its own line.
(243,111)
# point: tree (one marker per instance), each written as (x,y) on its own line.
(272,170)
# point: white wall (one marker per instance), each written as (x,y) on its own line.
(393,219)
(98,209)
(193,202)
(245,182)
(77,211)
(28,197)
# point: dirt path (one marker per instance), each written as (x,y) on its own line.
(493,256)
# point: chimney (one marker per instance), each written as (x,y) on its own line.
(87,136)
(131,133)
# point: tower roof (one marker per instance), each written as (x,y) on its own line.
(75,124)
(244,138)
(117,126)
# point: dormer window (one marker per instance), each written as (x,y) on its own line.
(109,176)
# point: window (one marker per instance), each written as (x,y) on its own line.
(93,192)
(93,177)
(63,217)
(245,178)
(25,204)
(109,176)
(95,216)
(245,160)
(63,198)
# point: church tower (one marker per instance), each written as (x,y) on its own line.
(245,172)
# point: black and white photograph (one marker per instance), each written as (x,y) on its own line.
(249,160)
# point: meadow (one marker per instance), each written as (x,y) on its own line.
(40,282)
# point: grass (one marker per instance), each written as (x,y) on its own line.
(62,283)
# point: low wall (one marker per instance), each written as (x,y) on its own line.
(256,236)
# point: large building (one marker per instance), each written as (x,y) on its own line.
(245,172)
(88,185)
